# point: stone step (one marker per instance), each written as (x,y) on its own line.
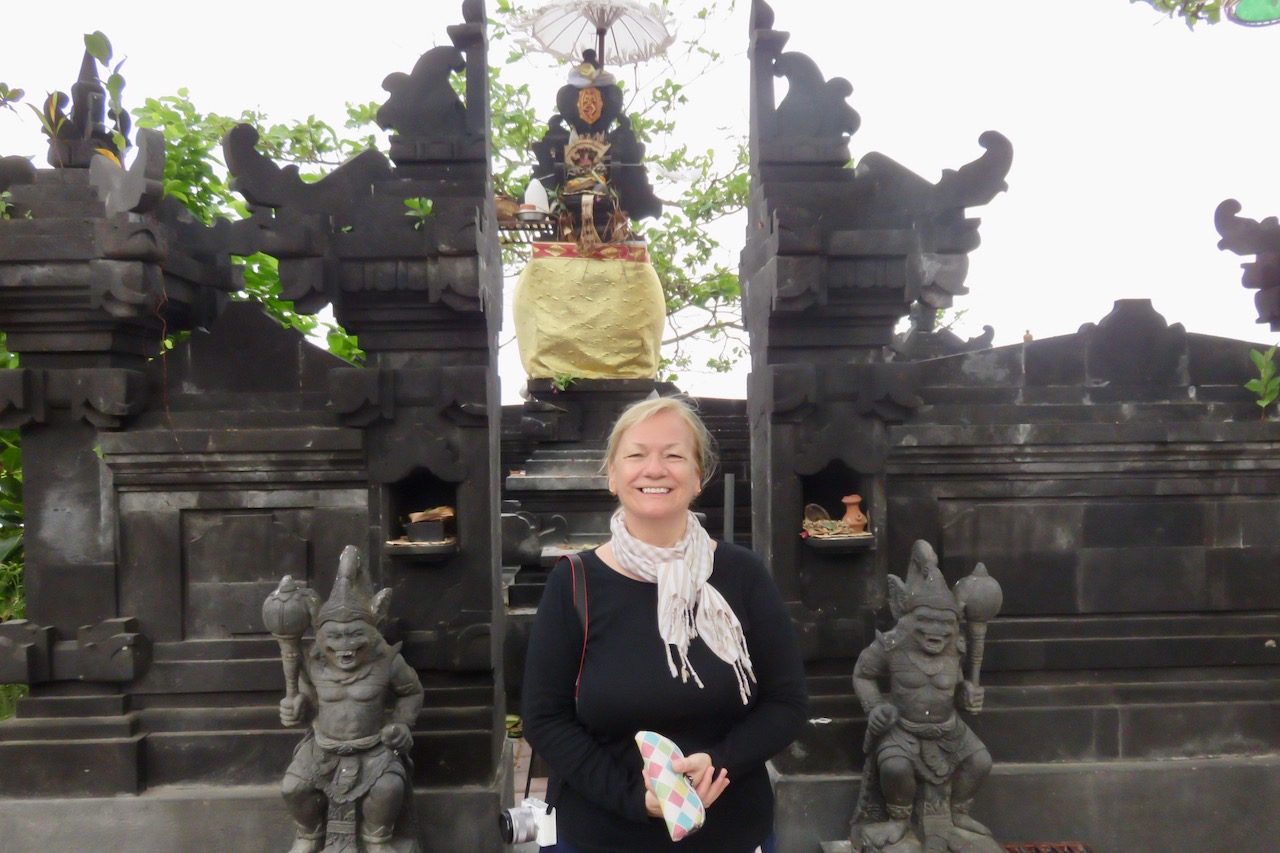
(1230,803)
(69,728)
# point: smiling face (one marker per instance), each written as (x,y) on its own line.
(346,645)
(655,472)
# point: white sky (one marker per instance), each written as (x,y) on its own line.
(1127,128)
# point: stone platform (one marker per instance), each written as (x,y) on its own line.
(1212,804)
(231,819)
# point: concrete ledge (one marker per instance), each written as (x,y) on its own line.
(1114,807)
(241,819)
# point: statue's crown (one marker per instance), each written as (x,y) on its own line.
(926,587)
(352,597)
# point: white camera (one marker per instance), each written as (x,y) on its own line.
(532,820)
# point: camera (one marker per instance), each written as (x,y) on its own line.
(532,820)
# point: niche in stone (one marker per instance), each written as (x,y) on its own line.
(828,489)
(416,493)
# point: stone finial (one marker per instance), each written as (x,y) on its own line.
(1245,236)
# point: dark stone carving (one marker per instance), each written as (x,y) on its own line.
(349,786)
(923,763)
(431,123)
(1135,345)
(823,121)
(263,183)
(422,103)
(78,137)
(924,340)
(139,189)
(26,652)
(1252,237)
(976,183)
(521,545)
(414,417)
(93,244)
(16,170)
(111,650)
(21,398)
(103,397)
(813,108)
(399,282)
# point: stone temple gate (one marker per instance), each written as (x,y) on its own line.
(1118,481)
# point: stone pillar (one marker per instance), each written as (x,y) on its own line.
(422,292)
(94,274)
(835,255)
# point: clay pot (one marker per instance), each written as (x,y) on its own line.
(853,514)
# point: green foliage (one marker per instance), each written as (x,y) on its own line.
(1266,387)
(195,176)
(703,293)
(51,122)
(564,381)
(99,47)
(1192,11)
(13,603)
(10,96)
(420,210)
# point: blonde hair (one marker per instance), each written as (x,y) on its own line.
(704,452)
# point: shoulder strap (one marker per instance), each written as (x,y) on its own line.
(578,580)
(578,575)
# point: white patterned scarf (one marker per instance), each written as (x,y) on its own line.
(688,606)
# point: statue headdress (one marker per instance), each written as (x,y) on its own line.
(924,587)
(352,597)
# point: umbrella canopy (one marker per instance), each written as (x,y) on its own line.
(621,32)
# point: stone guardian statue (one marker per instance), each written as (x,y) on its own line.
(923,764)
(349,786)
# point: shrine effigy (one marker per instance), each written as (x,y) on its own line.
(588,304)
(349,784)
(923,764)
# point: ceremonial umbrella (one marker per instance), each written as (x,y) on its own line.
(622,31)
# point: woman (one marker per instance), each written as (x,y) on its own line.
(687,637)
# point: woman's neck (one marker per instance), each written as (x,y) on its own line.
(664,534)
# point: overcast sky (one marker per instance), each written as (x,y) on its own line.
(1127,128)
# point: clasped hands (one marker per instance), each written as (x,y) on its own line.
(705,780)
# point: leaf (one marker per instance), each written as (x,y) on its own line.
(99,46)
(115,86)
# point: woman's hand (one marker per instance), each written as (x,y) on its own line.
(697,767)
(706,781)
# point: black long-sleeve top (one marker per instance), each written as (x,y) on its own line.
(626,687)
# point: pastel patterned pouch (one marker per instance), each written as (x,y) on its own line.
(681,806)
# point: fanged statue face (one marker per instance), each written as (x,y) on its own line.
(935,630)
(346,645)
